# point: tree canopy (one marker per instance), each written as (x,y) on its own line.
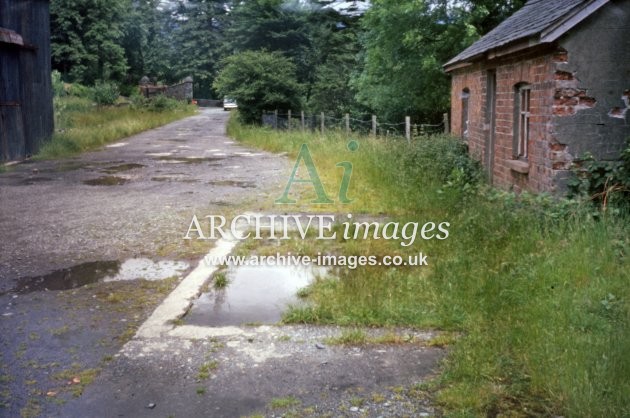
(387,61)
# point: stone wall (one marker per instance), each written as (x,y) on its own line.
(182,91)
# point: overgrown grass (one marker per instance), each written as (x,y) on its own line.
(538,288)
(82,126)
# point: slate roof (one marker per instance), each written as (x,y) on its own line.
(529,21)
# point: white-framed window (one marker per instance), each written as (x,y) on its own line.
(521,120)
(465,99)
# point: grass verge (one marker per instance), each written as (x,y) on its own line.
(537,288)
(82,126)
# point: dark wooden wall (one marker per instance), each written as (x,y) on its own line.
(26,109)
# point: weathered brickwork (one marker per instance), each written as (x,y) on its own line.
(579,102)
(539,73)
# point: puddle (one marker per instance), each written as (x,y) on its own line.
(181,179)
(34,180)
(253,295)
(106,181)
(233,183)
(101,271)
(189,160)
(122,167)
(68,278)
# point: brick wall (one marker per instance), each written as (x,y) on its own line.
(545,155)
(580,102)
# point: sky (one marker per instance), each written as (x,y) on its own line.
(350,8)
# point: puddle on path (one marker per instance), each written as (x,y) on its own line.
(105,271)
(233,183)
(179,178)
(254,295)
(122,167)
(189,160)
(68,278)
(34,180)
(106,181)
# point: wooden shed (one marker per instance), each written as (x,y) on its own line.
(26,107)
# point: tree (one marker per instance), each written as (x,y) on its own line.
(404,46)
(273,25)
(406,42)
(86,39)
(259,80)
(199,42)
(336,47)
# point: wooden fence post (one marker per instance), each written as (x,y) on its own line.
(447,125)
(302,119)
(347,124)
(374,125)
(323,122)
(275,119)
(408,128)
(289,120)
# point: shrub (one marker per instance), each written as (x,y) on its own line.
(604,182)
(259,80)
(79,90)
(161,103)
(57,84)
(105,94)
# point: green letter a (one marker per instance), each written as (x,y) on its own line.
(313,178)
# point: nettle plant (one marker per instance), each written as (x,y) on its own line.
(603,182)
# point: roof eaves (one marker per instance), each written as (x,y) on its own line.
(510,48)
(547,35)
(561,27)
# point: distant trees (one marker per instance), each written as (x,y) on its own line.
(405,44)
(87,39)
(388,61)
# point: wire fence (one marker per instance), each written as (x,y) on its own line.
(366,124)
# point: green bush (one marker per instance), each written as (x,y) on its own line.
(79,90)
(57,84)
(161,103)
(259,80)
(105,94)
(606,183)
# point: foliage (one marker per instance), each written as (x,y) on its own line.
(105,94)
(336,47)
(199,41)
(57,84)
(81,126)
(259,81)
(536,286)
(272,26)
(162,103)
(86,39)
(404,47)
(606,183)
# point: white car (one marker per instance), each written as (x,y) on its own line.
(229,104)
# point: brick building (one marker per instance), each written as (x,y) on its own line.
(547,85)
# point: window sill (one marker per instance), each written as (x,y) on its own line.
(519,166)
